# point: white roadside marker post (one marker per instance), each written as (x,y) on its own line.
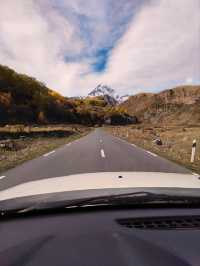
(194,144)
(127,134)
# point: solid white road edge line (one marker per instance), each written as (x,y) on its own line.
(153,154)
(103,154)
(132,144)
(47,154)
(123,140)
(3,176)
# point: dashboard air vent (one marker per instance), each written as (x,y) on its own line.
(165,223)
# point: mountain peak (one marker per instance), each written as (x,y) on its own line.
(104,90)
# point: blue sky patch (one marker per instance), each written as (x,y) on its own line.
(102,56)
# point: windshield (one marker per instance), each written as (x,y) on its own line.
(99,99)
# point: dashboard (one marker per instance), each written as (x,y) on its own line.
(138,237)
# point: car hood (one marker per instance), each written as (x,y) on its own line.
(102,180)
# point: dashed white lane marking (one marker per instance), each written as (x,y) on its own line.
(195,174)
(100,141)
(103,154)
(49,153)
(153,154)
(3,176)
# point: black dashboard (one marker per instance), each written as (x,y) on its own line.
(103,238)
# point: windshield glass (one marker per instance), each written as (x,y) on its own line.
(99,98)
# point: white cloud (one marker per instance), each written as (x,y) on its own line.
(159,48)
(34,43)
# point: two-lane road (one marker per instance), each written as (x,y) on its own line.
(96,152)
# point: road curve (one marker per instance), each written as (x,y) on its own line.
(96,152)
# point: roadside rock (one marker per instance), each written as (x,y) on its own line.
(2,157)
(12,145)
(158,141)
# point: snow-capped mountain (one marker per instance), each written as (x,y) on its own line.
(123,98)
(112,96)
(102,90)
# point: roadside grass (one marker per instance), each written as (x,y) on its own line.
(177,142)
(33,147)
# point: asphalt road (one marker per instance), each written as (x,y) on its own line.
(96,152)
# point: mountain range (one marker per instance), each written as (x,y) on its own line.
(24,99)
(175,106)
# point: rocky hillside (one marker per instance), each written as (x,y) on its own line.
(180,105)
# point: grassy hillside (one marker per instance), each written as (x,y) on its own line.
(177,106)
(25,100)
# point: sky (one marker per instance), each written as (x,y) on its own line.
(130,45)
